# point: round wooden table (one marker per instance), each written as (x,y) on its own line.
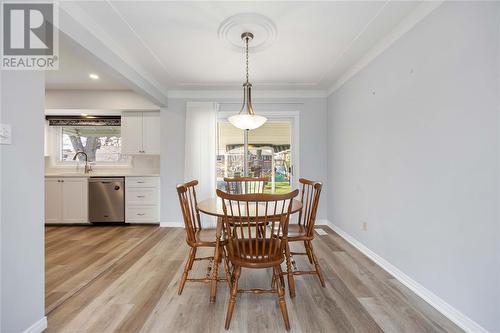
(213,207)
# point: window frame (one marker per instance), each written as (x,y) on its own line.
(293,116)
(58,146)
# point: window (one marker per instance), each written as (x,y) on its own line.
(269,154)
(100,143)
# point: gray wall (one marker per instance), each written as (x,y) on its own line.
(22,201)
(312,144)
(413,150)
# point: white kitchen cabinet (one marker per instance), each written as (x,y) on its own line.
(151,132)
(142,199)
(142,214)
(66,200)
(142,196)
(140,132)
(75,200)
(131,132)
(53,200)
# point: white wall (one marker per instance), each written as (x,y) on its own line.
(312,144)
(413,148)
(22,201)
(106,100)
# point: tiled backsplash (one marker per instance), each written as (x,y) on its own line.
(138,163)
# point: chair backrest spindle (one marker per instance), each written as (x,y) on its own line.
(310,194)
(253,223)
(190,213)
(245,185)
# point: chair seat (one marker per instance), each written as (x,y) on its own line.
(206,237)
(296,231)
(249,253)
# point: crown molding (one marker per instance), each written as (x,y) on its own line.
(258,94)
(410,21)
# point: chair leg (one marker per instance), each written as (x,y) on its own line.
(215,275)
(187,267)
(232,300)
(192,258)
(308,251)
(282,279)
(291,282)
(281,297)
(226,267)
(316,265)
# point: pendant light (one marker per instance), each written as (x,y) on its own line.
(246,119)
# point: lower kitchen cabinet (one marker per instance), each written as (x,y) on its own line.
(142,199)
(66,200)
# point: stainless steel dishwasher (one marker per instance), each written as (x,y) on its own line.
(107,199)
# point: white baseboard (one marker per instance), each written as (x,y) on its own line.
(171,225)
(37,327)
(439,304)
(321,222)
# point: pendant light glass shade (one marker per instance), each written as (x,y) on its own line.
(246,119)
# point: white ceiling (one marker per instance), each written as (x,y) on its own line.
(75,65)
(177,43)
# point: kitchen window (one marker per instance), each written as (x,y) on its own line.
(99,137)
(100,143)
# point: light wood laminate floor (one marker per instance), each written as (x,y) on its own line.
(125,279)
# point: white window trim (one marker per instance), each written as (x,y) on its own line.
(59,163)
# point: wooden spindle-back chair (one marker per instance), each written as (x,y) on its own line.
(197,237)
(250,246)
(304,231)
(245,185)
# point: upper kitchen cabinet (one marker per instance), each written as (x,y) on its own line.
(140,132)
(151,132)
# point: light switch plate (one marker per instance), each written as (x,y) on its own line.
(5,134)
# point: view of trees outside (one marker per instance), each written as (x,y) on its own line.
(269,154)
(100,143)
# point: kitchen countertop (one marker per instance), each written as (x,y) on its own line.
(102,173)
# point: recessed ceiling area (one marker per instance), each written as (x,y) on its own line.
(190,45)
(76,65)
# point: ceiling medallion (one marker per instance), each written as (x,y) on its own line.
(264,29)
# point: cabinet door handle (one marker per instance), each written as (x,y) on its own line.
(139,182)
(140,196)
(141,214)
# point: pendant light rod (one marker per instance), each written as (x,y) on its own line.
(246,119)
(247,37)
(247,86)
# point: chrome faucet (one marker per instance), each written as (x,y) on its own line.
(88,168)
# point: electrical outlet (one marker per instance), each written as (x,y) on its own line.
(365,226)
